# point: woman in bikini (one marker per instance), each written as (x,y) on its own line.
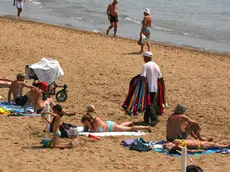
(192,145)
(145,30)
(95,124)
(57,114)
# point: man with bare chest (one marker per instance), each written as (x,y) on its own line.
(112,13)
(16,88)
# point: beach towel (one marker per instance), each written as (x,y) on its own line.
(47,69)
(138,97)
(14,109)
(157,146)
(101,134)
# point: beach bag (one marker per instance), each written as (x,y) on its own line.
(73,132)
(192,168)
(46,142)
(143,41)
(64,128)
(141,145)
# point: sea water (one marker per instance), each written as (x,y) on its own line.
(192,23)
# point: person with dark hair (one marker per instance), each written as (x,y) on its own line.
(112,13)
(179,126)
(192,145)
(57,114)
(96,124)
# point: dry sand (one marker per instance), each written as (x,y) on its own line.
(98,70)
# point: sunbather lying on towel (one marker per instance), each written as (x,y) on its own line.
(96,124)
(192,145)
(4,82)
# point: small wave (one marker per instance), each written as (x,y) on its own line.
(79,18)
(133,20)
(164,29)
(35,2)
(96,31)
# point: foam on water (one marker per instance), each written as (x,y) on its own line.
(193,23)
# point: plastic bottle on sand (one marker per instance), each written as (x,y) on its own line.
(93,137)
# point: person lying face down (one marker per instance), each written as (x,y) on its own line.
(192,145)
(96,124)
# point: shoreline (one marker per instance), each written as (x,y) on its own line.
(97,70)
(189,48)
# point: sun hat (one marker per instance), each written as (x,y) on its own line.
(180,109)
(148,54)
(147,11)
(19,75)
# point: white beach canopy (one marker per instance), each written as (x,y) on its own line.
(48,70)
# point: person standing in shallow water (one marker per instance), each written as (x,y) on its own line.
(19,6)
(112,13)
(146,29)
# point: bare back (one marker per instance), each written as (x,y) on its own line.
(173,127)
(100,125)
(35,97)
(16,88)
(56,123)
(147,21)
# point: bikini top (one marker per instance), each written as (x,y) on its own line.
(182,143)
(147,25)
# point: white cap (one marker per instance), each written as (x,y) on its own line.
(148,54)
(147,11)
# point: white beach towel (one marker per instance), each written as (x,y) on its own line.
(126,133)
(48,70)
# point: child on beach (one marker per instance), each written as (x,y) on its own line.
(57,113)
(96,124)
(19,6)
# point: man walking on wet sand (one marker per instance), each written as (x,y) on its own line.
(112,13)
(19,6)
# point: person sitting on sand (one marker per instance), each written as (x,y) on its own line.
(192,145)
(179,126)
(35,98)
(57,113)
(16,88)
(96,124)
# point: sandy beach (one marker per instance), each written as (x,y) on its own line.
(98,70)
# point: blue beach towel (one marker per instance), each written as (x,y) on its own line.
(15,108)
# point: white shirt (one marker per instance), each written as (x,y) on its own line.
(152,72)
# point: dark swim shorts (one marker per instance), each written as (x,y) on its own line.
(180,137)
(113,18)
(21,101)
